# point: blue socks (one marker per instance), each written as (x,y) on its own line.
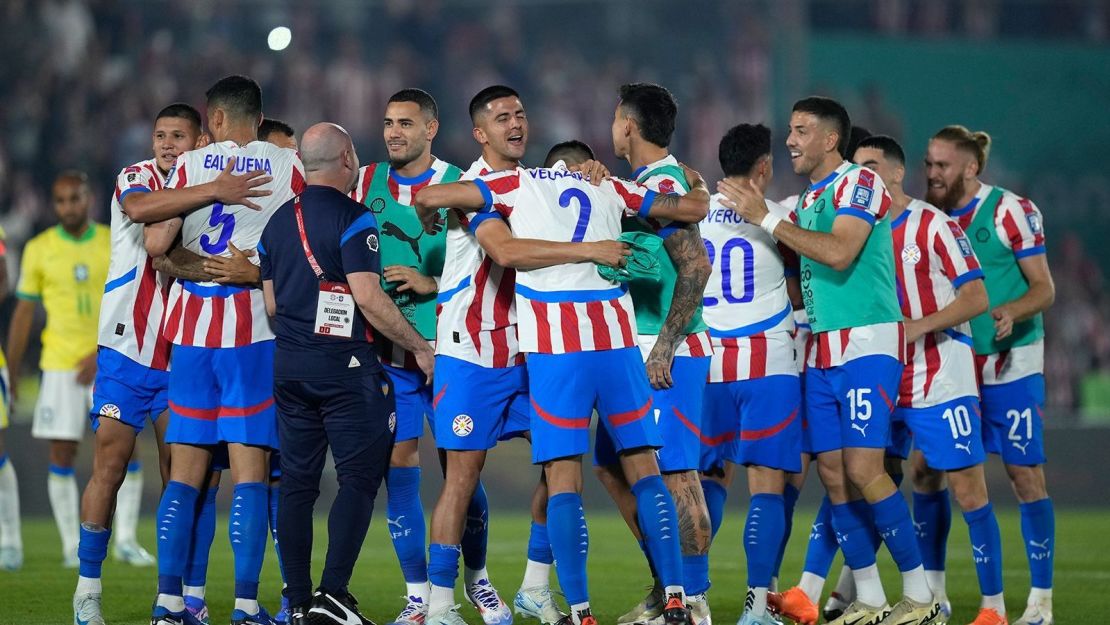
(247,531)
(789,500)
(853,533)
(822,545)
(570,542)
(204,532)
(695,573)
(986,548)
(1038,529)
(715,497)
(763,533)
(659,523)
(932,515)
(92,550)
(892,519)
(405,520)
(175,530)
(476,531)
(539,547)
(443,564)
(273,501)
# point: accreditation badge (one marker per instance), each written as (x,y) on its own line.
(335,310)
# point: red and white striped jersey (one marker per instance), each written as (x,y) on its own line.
(932,259)
(803,338)
(567,308)
(746,304)
(1010,365)
(209,314)
(131,311)
(476,319)
(836,347)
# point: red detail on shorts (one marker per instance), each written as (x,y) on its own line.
(570,424)
(755,435)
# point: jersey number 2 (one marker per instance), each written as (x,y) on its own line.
(227,223)
(583,214)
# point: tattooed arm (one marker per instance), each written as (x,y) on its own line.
(182,264)
(691,263)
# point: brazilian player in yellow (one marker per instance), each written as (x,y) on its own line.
(64,268)
(11,542)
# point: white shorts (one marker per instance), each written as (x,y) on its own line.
(5,399)
(62,411)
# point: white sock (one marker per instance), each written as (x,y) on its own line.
(936,584)
(846,585)
(249,606)
(10,534)
(87,585)
(419,590)
(62,491)
(128,500)
(915,586)
(812,585)
(869,588)
(536,574)
(474,576)
(173,603)
(757,601)
(442,598)
(1040,596)
(774,584)
(674,590)
(193,591)
(577,609)
(994,602)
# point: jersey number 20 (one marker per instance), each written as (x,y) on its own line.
(227,223)
(747,271)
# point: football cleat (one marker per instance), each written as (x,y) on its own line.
(675,611)
(335,609)
(162,616)
(11,559)
(449,616)
(699,609)
(538,602)
(414,613)
(649,608)
(282,617)
(747,618)
(86,610)
(484,596)
(239,617)
(196,611)
(989,616)
(910,612)
(834,607)
(1036,614)
(795,605)
(133,554)
(861,614)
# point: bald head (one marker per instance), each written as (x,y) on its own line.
(329,156)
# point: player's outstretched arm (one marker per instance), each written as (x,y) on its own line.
(692,268)
(971,300)
(182,264)
(508,251)
(690,208)
(837,249)
(227,188)
(1039,297)
(464,195)
(382,313)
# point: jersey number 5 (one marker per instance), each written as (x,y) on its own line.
(227,223)
(584,211)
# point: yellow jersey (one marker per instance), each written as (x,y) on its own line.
(67,275)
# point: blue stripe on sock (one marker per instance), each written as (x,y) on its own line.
(405,516)
(247,527)
(61,471)
(92,550)
(570,542)
(986,552)
(932,515)
(1038,529)
(3,460)
(892,518)
(443,564)
(822,546)
(134,466)
(539,547)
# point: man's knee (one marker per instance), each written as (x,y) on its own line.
(639,464)
(925,478)
(405,453)
(1028,482)
(564,476)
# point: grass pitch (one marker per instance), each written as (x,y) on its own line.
(41,592)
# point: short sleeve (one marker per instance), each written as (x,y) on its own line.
(359,245)
(297,182)
(133,179)
(264,265)
(861,194)
(30,274)
(178,177)
(500,190)
(953,249)
(1020,226)
(635,198)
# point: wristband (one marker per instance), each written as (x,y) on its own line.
(770,222)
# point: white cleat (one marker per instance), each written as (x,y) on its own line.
(1036,614)
(910,612)
(450,616)
(538,602)
(766,619)
(11,559)
(699,609)
(86,610)
(650,607)
(133,554)
(858,613)
(484,596)
(414,613)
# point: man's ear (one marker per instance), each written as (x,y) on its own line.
(432,129)
(480,136)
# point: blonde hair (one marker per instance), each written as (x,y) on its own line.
(978,143)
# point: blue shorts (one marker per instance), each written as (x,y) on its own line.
(414,401)
(901,439)
(764,413)
(223,395)
(1013,420)
(850,405)
(720,427)
(477,406)
(678,416)
(566,388)
(949,434)
(126,391)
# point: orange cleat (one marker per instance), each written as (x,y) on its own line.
(794,605)
(989,616)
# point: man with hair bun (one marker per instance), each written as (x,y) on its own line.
(1007,234)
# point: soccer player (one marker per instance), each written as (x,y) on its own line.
(11,538)
(1007,234)
(579,331)
(63,269)
(847,270)
(278,133)
(754,396)
(221,383)
(673,341)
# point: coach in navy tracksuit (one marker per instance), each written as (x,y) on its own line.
(321,278)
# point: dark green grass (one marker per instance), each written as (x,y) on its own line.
(41,593)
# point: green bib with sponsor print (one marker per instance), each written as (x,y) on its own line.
(861,295)
(404,242)
(652,297)
(1004,280)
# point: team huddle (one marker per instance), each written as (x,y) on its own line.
(850,328)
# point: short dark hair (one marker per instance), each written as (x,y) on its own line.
(183,111)
(422,98)
(238,95)
(487,95)
(828,109)
(574,151)
(75,175)
(653,108)
(885,144)
(270,126)
(742,146)
(855,135)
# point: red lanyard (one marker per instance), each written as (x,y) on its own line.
(304,240)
